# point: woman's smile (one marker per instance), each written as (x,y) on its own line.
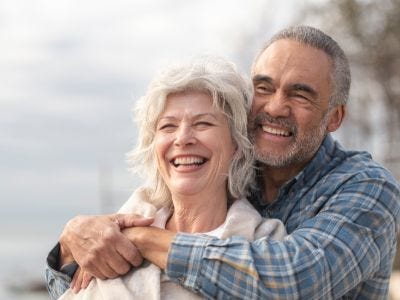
(188,162)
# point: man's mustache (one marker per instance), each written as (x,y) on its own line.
(264,118)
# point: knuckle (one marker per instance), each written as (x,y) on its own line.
(108,235)
(102,277)
(131,256)
(95,252)
(137,261)
(123,269)
(87,261)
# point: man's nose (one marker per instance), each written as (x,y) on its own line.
(277,105)
(184,135)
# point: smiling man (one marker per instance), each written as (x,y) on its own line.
(341,209)
(292,111)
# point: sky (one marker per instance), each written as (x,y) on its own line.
(70,72)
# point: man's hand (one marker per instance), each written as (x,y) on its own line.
(98,246)
(80,281)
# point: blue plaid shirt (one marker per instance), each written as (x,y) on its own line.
(341,213)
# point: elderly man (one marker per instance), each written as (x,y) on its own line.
(340,208)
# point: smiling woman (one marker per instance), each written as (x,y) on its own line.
(194,148)
(194,97)
(194,152)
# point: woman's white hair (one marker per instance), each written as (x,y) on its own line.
(231,94)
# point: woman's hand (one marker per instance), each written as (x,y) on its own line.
(153,243)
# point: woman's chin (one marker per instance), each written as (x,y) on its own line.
(187,187)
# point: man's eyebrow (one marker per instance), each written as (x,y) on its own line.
(262,78)
(303,87)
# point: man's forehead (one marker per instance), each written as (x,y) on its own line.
(296,62)
(290,51)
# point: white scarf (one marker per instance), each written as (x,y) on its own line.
(145,282)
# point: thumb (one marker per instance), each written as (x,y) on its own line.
(132,220)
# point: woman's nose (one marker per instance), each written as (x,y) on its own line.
(184,136)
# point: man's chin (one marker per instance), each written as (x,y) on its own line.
(276,160)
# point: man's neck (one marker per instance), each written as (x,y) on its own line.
(274,178)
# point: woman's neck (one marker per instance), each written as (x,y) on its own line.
(198,213)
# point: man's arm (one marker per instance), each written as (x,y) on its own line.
(58,280)
(350,239)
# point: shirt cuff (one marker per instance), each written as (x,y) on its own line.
(185,258)
(53,263)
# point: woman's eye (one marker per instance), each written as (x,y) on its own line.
(166,127)
(203,124)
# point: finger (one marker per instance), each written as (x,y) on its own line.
(131,220)
(86,280)
(78,283)
(118,263)
(96,270)
(108,260)
(106,271)
(129,252)
(76,275)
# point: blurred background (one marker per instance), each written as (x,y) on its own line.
(71,70)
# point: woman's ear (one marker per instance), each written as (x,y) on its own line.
(336,116)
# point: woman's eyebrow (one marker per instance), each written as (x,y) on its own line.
(196,116)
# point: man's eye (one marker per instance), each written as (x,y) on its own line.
(301,97)
(262,89)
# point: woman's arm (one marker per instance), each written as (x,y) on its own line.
(153,243)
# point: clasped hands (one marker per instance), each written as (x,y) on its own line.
(102,246)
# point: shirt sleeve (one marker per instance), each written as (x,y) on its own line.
(350,239)
(58,279)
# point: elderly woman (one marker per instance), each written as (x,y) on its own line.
(194,153)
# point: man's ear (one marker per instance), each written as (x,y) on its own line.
(336,116)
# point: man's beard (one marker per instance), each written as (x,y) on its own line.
(301,149)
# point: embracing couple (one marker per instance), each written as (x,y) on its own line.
(247,195)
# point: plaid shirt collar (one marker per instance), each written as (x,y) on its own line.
(320,164)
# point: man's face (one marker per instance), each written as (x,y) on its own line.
(289,118)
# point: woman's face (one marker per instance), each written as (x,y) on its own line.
(193,144)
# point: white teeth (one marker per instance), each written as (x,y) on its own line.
(188,160)
(275,131)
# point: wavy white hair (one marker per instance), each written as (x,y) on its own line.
(231,94)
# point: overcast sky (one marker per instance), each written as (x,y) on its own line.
(69,73)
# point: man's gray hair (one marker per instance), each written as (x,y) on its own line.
(231,94)
(315,38)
